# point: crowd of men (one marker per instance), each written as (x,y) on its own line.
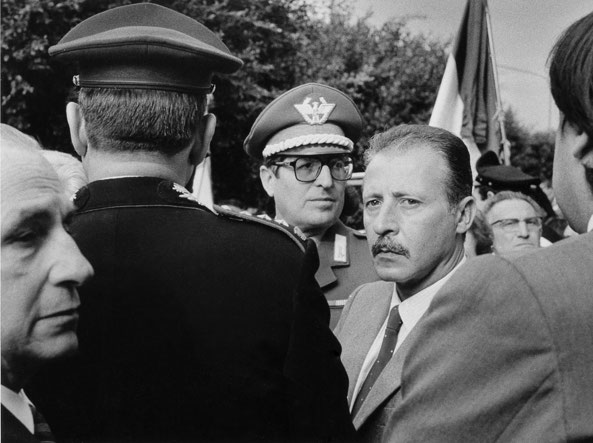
(133,313)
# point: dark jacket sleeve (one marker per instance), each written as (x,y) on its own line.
(319,383)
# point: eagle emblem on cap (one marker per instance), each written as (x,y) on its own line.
(315,112)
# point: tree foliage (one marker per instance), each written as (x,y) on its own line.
(533,153)
(392,75)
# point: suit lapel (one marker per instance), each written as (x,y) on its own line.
(362,326)
(388,382)
(13,430)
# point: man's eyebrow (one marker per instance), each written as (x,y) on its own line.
(27,218)
(34,214)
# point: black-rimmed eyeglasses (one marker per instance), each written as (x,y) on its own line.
(307,169)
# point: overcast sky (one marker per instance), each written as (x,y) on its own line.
(524,31)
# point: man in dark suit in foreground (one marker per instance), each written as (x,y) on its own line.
(199,326)
(41,269)
(505,352)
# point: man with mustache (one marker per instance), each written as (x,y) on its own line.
(305,138)
(41,269)
(418,204)
(505,352)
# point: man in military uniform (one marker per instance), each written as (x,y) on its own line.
(198,326)
(305,138)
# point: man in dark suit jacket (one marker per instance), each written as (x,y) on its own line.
(505,352)
(417,208)
(41,268)
(199,326)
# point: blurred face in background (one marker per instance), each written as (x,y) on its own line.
(515,225)
(574,193)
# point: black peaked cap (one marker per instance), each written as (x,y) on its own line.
(145,46)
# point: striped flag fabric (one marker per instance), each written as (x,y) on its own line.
(467,100)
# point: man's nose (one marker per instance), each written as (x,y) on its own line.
(523,231)
(385,221)
(325,178)
(70,266)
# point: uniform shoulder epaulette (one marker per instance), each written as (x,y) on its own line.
(293,232)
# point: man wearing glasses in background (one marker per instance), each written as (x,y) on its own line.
(305,138)
(515,220)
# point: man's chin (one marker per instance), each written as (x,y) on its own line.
(388,273)
(60,346)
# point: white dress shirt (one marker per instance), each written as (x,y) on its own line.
(19,405)
(410,311)
(590,225)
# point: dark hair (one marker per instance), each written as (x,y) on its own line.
(450,147)
(571,78)
(571,73)
(140,119)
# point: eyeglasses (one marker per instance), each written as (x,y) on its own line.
(307,169)
(512,224)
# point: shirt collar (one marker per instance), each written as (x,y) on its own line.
(414,307)
(590,225)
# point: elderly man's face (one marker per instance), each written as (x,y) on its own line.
(516,226)
(410,226)
(314,206)
(41,264)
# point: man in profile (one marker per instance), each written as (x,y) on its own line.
(513,354)
(305,138)
(198,326)
(41,270)
(417,207)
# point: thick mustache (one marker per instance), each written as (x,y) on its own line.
(387,244)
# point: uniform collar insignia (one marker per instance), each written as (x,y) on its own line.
(184,193)
(297,231)
(315,112)
(281,222)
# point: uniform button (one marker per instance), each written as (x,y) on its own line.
(81,197)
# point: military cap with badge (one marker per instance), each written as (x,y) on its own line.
(314,116)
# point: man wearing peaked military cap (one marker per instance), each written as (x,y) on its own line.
(305,138)
(185,334)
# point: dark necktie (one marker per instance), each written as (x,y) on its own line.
(42,431)
(394,324)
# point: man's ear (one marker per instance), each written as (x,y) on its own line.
(203,138)
(268,178)
(465,214)
(76,124)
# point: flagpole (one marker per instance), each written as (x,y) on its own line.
(506,151)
